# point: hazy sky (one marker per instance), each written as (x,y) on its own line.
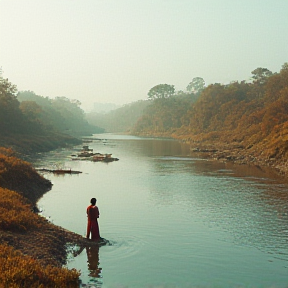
(116,50)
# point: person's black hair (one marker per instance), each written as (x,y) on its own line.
(93,201)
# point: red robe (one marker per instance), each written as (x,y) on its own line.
(93,215)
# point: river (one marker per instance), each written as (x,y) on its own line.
(173,220)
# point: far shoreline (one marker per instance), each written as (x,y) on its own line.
(224,152)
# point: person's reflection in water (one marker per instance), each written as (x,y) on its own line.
(93,261)
(92,252)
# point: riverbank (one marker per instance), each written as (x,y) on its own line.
(33,250)
(271,157)
(240,155)
(29,144)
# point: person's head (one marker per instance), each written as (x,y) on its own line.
(93,201)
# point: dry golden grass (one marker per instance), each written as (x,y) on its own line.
(18,175)
(27,231)
(15,213)
(18,270)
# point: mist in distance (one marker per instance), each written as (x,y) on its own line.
(115,51)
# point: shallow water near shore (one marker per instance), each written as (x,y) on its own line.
(172,219)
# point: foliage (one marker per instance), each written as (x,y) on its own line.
(18,270)
(260,75)
(238,113)
(38,123)
(252,115)
(161,91)
(164,115)
(59,114)
(196,85)
(11,118)
(119,120)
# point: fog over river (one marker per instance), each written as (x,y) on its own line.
(173,220)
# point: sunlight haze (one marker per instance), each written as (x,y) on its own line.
(114,51)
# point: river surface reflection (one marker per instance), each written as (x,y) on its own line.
(172,219)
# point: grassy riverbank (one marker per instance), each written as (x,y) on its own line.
(32,250)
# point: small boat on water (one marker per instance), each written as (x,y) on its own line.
(87,154)
(63,171)
(59,171)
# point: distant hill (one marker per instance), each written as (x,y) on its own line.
(122,119)
(60,114)
(103,107)
(30,123)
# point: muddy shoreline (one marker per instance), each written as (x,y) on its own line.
(232,152)
(241,156)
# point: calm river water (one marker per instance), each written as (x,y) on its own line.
(172,220)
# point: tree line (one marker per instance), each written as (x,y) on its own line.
(251,114)
(160,113)
(59,114)
(34,122)
(168,108)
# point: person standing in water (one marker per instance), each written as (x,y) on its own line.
(93,215)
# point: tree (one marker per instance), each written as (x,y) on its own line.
(10,114)
(161,91)
(31,110)
(8,100)
(260,75)
(285,67)
(196,85)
